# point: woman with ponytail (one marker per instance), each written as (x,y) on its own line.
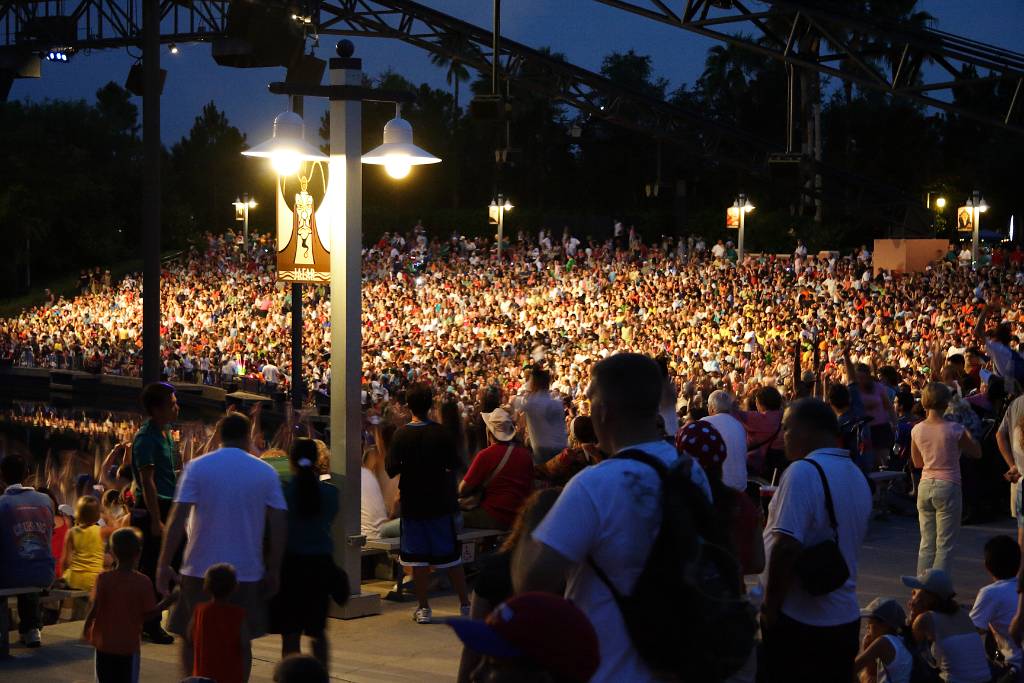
(307,573)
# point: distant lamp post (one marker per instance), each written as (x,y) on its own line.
(977,205)
(344,216)
(940,203)
(242,207)
(496,213)
(742,206)
(397,154)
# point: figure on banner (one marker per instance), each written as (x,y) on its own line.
(302,255)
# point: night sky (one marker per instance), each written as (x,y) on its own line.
(583,30)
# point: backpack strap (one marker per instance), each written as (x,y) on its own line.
(828,499)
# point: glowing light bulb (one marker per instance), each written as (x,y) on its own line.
(397,167)
(286,163)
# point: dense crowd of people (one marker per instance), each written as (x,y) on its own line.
(673,441)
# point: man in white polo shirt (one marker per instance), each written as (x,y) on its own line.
(807,637)
(227,498)
(722,408)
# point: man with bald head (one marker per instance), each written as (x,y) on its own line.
(609,512)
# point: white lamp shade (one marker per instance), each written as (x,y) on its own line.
(287,141)
(398,147)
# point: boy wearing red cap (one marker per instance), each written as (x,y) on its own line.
(515,641)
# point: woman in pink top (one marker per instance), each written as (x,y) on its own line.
(935,446)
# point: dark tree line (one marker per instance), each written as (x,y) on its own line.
(69,192)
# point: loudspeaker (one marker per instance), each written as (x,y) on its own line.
(136,83)
(57,31)
(258,36)
(306,70)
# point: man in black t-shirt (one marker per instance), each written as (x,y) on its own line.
(424,453)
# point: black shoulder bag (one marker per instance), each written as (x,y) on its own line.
(822,567)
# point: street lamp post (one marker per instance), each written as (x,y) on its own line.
(743,205)
(242,206)
(978,206)
(499,207)
(343,206)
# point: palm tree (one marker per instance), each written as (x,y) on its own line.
(456,69)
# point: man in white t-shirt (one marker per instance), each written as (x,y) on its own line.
(225,499)
(609,512)
(807,637)
(721,407)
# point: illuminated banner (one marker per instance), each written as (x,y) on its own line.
(965,219)
(493,212)
(303,245)
(732,217)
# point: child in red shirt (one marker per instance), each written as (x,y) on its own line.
(218,630)
(122,600)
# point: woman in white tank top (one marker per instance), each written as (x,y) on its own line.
(938,620)
(883,656)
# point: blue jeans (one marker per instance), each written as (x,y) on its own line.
(939,507)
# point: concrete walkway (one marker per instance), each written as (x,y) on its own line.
(391,648)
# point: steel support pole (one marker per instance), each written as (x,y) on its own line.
(743,225)
(151,364)
(298,386)
(346,229)
(501,229)
(975,236)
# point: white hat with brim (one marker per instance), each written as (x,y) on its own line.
(499,423)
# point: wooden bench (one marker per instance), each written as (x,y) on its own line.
(472,540)
(5,620)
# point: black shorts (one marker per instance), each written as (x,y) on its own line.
(301,604)
(882,437)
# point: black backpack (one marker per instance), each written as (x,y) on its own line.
(687,615)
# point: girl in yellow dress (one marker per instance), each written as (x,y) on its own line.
(84,546)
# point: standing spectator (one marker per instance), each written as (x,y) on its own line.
(937,621)
(502,474)
(154,469)
(997,345)
(599,516)
(722,411)
(545,417)
(308,569)
(935,446)
(808,637)
(1010,440)
(121,602)
(228,498)
(764,431)
(424,454)
(218,630)
(870,399)
(26,527)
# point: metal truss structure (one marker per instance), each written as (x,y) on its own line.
(886,56)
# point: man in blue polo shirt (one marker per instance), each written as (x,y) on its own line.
(154,467)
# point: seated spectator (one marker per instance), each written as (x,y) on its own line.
(374,521)
(997,602)
(26,527)
(581,452)
(938,622)
(884,656)
(494,582)
(516,641)
(501,474)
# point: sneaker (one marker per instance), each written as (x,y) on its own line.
(31,638)
(158,636)
(422,615)
(464,610)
